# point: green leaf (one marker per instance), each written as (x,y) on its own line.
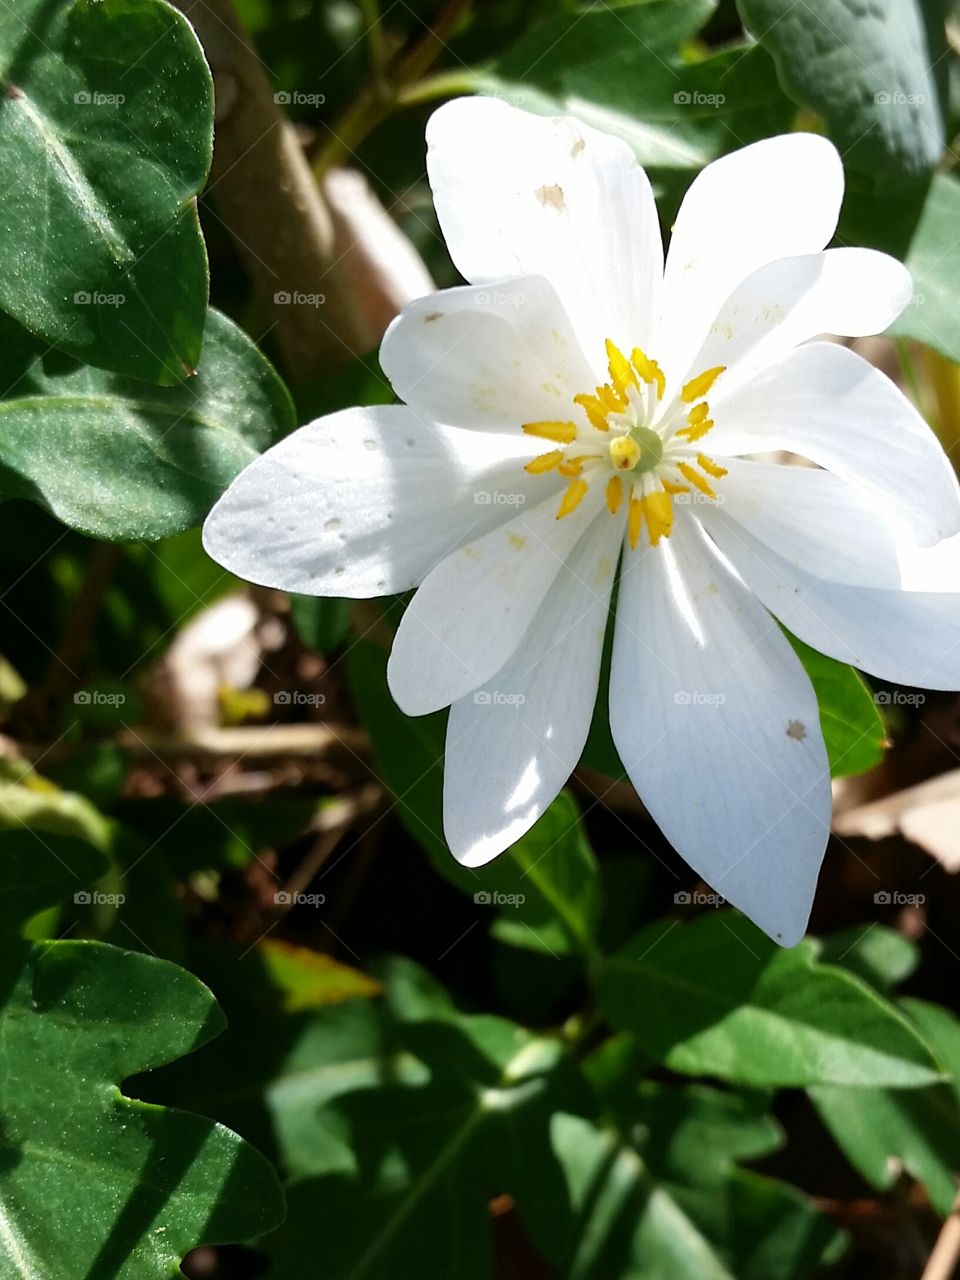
(106,128)
(933,258)
(94,1182)
(322,624)
(874,75)
(621,70)
(882,1131)
(426,1158)
(880,956)
(715,997)
(546,883)
(852,725)
(120,460)
(661,1194)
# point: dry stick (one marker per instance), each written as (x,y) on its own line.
(269,202)
(942,1262)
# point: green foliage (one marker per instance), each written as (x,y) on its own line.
(94,1182)
(105,138)
(118,459)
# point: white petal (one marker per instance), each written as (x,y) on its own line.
(717,725)
(511,747)
(472,611)
(518,193)
(852,292)
(812,517)
(906,637)
(773,199)
(829,405)
(493,355)
(365,502)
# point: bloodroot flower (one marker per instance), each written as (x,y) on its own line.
(583,405)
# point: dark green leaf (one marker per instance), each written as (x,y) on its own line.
(105,137)
(120,460)
(716,997)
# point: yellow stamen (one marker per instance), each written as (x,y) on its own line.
(595,410)
(697,431)
(695,478)
(561,432)
(672,488)
(649,370)
(612,400)
(624,453)
(635,521)
(573,466)
(698,413)
(701,384)
(658,510)
(710,467)
(545,462)
(572,498)
(614,494)
(621,375)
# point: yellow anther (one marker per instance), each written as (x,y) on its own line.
(699,386)
(561,432)
(710,467)
(697,431)
(595,410)
(573,466)
(621,374)
(635,521)
(611,399)
(574,495)
(658,510)
(672,488)
(695,478)
(624,453)
(698,413)
(649,370)
(614,494)
(545,462)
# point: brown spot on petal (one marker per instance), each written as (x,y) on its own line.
(431,316)
(550,197)
(797,730)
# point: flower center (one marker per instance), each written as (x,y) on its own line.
(647,453)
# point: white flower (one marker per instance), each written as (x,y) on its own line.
(580,397)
